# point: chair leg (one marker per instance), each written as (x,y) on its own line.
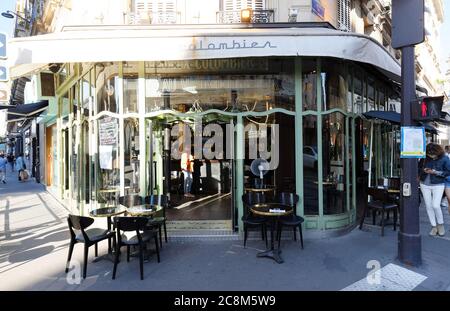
(295,233)
(262,232)
(165,232)
(69,257)
(96,249)
(265,235)
(245,235)
(301,234)
(160,236)
(86,253)
(141,261)
(374,212)
(382,222)
(362,218)
(395,219)
(279,231)
(116,261)
(157,249)
(128,253)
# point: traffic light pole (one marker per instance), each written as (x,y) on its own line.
(409,239)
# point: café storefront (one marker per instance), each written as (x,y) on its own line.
(285,89)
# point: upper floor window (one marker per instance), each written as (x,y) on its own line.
(154,12)
(344,8)
(231,11)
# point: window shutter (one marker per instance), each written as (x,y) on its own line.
(237,5)
(344,15)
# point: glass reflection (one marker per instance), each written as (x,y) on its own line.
(310,160)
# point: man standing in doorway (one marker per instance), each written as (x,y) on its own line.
(187,167)
(3,162)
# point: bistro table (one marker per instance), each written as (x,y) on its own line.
(144,210)
(108,212)
(274,211)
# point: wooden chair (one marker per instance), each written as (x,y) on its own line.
(136,224)
(159,221)
(380,202)
(249,220)
(292,220)
(89,237)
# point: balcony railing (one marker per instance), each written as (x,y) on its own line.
(151,17)
(234,17)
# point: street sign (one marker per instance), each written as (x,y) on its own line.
(3,74)
(427,108)
(408,25)
(412,142)
(2,45)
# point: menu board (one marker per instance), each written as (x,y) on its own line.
(108,131)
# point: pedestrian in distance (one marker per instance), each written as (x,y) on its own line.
(10,159)
(433,171)
(20,165)
(3,163)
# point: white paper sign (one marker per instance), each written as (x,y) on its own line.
(105,156)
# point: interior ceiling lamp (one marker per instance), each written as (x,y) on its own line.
(246,15)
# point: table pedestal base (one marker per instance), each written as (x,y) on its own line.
(272,253)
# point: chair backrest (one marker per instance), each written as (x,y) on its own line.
(289,198)
(157,199)
(378,194)
(394,183)
(79,223)
(130,200)
(251,198)
(130,223)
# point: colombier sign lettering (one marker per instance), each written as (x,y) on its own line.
(201,45)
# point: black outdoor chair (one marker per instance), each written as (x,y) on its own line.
(251,221)
(130,200)
(382,202)
(159,220)
(136,224)
(88,237)
(292,220)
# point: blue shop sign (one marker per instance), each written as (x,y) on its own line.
(318,9)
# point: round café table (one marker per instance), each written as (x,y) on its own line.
(144,210)
(108,212)
(273,211)
(262,190)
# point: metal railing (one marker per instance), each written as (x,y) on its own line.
(234,17)
(143,17)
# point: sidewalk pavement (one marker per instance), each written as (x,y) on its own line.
(34,245)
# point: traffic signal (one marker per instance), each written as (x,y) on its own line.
(427,108)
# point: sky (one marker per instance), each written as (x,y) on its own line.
(6,24)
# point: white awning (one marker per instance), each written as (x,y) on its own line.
(146,43)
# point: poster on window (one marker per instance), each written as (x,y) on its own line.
(105,156)
(413,142)
(108,129)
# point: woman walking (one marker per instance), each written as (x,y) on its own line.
(433,171)
(20,165)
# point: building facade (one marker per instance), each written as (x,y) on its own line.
(119,75)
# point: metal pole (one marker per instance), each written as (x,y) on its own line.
(409,239)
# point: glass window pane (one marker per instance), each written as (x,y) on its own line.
(108,177)
(227,84)
(334,85)
(130,87)
(309,81)
(358,93)
(310,172)
(333,157)
(131,155)
(106,86)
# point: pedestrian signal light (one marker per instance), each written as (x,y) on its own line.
(427,108)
